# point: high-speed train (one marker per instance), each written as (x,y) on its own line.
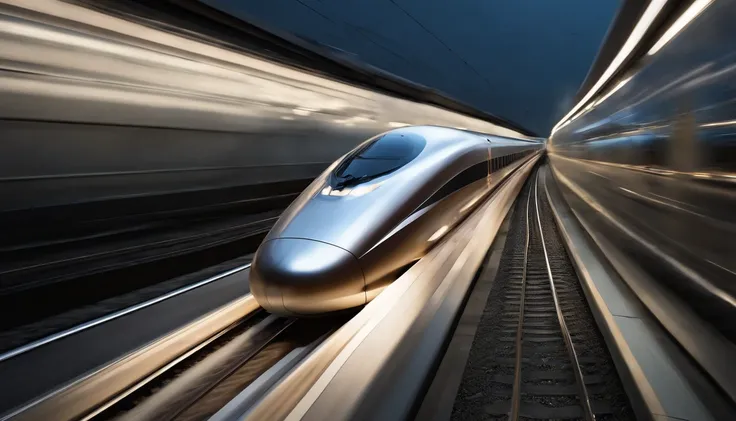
(372,213)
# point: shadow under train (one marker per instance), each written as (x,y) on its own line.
(373,212)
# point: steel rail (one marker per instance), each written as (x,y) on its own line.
(582,390)
(96,322)
(77,398)
(516,396)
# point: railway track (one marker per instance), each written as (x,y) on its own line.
(67,373)
(210,362)
(201,382)
(550,360)
(553,362)
(30,292)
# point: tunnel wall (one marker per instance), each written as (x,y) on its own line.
(673,109)
(651,164)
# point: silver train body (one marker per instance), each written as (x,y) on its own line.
(657,152)
(372,213)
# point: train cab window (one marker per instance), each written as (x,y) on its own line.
(379,157)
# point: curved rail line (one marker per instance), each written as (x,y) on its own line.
(188,389)
(524,301)
(516,397)
(584,396)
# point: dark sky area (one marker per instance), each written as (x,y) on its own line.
(519,59)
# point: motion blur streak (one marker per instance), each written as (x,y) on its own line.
(170,65)
(659,157)
(691,13)
(106,118)
(650,14)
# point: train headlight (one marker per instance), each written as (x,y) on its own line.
(329,191)
(365,189)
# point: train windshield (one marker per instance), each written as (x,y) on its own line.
(382,156)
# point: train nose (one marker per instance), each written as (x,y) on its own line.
(295,276)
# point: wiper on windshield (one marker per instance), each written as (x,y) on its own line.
(351,180)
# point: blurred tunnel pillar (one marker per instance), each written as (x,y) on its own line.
(683,154)
(682,157)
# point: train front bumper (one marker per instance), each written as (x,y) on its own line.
(296,276)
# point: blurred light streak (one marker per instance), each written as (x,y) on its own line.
(691,13)
(724,268)
(669,198)
(613,91)
(680,81)
(196,68)
(649,15)
(686,270)
(708,77)
(439,233)
(470,204)
(720,124)
(364,189)
(659,202)
(88,16)
(301,112)
(149,98)
(397,124)
(599,175)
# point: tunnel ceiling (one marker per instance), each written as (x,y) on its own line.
(522,60)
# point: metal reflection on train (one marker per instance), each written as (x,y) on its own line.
(439,233)
(652,162)
(379,208)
